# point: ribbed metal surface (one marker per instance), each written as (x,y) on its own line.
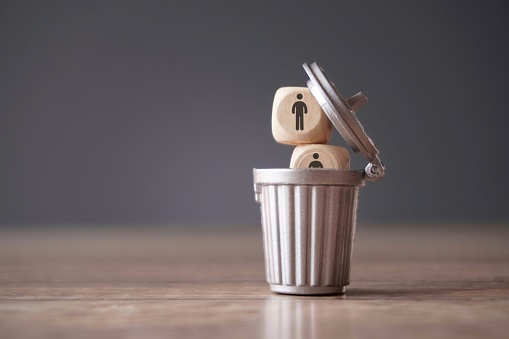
(308,233)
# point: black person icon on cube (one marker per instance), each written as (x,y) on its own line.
(297,118)
(299,108)
(315,163)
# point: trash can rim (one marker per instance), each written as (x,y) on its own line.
(304,176)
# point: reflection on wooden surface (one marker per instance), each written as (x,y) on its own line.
(287,318)
(416,281)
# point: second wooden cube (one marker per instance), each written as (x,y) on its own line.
(320,156)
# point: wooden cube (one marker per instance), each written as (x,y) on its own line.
(320,156)
(297,118)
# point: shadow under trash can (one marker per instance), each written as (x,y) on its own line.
(309,215)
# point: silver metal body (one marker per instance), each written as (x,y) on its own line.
(308,220)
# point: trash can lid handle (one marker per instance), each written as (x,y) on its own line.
(341,112)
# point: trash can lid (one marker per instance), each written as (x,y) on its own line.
(341,112)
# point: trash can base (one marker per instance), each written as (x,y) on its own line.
(308,290)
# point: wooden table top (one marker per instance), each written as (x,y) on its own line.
(410,281)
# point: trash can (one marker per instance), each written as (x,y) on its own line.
(308,220)
(309,215)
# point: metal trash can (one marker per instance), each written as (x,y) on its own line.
(308,220)
(309,215)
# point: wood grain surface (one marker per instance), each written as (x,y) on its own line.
(408,281)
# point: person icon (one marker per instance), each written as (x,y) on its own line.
(299,108)
(315,163)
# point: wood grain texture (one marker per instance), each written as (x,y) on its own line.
(418,281)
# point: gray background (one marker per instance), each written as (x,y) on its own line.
(156,112)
